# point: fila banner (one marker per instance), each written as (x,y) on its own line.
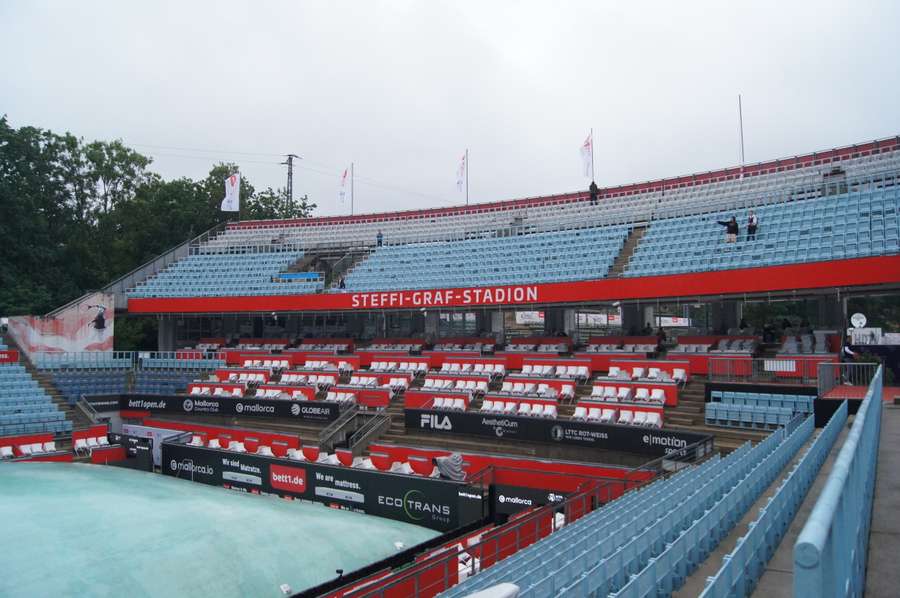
(628,439)
(206,405)
(437,504)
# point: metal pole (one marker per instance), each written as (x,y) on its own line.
(351,188)
(592,155)
(741,125)
(467,176)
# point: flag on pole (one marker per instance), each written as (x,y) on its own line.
(461,174)
(344,182)
(587,154)
(232,201)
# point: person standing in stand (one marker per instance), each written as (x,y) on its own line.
(731,229)
(752,223)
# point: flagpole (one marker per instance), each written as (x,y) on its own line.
(592,154)
(741,126)
(351,188)
(467,176)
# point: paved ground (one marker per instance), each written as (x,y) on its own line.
(889,393)
(883,574)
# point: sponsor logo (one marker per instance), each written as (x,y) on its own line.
(242,408)
(310,410)
(515,500)
(295,409)
(553,497)
(292,479)
(436,422)
(414,506)
(145,404)
(500,425)
(188,405)
(556,432)
(664,441)
(188,466)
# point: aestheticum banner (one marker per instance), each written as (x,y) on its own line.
(627,439)
(308,410)
(437,504)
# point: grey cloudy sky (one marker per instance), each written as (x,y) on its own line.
(402,88)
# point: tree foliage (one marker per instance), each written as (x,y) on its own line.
(74,215)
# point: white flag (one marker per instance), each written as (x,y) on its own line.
(344,182)
(232,201)
(461,174)
(587,154)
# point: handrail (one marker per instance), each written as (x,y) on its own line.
(375,424)
(87,409)
(830,552)
(332,429)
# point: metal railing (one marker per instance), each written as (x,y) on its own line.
(337,431)
(84,360)
(777,370)
(374,427)
(832,375)
(831,550)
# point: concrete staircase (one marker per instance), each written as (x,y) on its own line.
(634,237)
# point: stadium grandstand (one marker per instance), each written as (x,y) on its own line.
(548,396)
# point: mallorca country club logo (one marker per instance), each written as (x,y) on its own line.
(188,405)
(295,409)
(239,407)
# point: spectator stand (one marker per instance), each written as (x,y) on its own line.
(467,344)
(651,370)
(601,349)
(557,389)
(31,447)
(625,413)
(416,366)
(494,367)
(329,345)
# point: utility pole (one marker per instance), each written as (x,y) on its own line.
(289,195)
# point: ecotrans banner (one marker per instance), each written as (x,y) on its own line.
(437,504)
(645,441)
(206,405)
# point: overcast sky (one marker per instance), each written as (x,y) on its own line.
(403,88)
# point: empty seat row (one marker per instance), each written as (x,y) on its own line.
(494,369)
(269,364)
(346,398)
(26,450)
(449,403)
(400,366)
(796,403)
(247,377)
(609,415)
(542,389)
(88,444)
(581,372)
(474,386)
(627,393)
(215,391)
(519,408)
(746,416)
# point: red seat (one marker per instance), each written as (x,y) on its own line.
(381,461)
(311,453)
(421,465)
(344,456)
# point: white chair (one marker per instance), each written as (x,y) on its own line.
(624,394)
(679,375)
(658,395)
(214,443)
(653,373)
(102,441)
(608,416)
(572,371)
(642,394)
(25,449)
(295,454)
(92,443)
(481,386)
(455,368)
(537,410)
(50,447)
(439,402)
(507,387)
(527,368)
(478,368)
(196,390)
(471,385)
(403,468)
(550,411)
(196,440)
(237,447)
(265,451)
(567,391)
(594,414)
(237,392)
(460,385)
(640,418)
(459,405)
(487,406)
(580,413)
(654,420)
(637,373)
(6,452)
(583,372)
(518,388)
(529,388)
(510,408)
(524,409)
(626,417)
(615,372)
(609,393)
(219,391)
(597,392)
(37,448)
